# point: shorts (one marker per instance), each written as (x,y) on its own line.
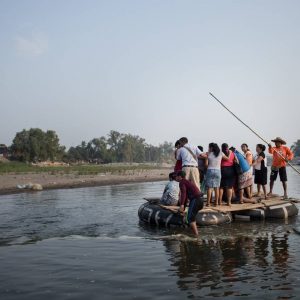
(261,176)
(213,178)
(196,204)
(282,174)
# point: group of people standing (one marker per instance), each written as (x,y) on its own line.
(225,173)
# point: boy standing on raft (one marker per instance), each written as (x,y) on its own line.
(281,155)
(189,191)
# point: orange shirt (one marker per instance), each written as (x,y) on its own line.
(278,161)
(249,157)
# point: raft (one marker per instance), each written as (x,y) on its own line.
(281,210)
(153,213)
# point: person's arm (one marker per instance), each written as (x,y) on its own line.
(225,157)
(289,154)
(204,155)
(175,153)
(249,158)
(258,160)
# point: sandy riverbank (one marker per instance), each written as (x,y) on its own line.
(9,182)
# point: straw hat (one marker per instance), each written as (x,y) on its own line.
(280,140)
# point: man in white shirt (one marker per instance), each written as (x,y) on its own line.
(189,154)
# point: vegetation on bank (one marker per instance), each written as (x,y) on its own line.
(35,145)
(91,169)
(296,148)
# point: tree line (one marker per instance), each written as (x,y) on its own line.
(37,145)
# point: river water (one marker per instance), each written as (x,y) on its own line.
(88,243)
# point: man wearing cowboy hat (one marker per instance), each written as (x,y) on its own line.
(281,155)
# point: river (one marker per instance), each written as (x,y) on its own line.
(88,243)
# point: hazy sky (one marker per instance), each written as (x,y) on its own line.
(82,68)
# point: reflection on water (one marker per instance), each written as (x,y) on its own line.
(87,242)
(240,266)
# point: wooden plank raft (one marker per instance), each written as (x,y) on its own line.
(274,200)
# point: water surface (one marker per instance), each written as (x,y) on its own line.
(88,243)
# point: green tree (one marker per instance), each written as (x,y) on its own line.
(296,148)
(35,144)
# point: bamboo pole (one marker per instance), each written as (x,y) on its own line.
(264,140)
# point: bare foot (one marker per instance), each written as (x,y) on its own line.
(270,194)
(256,195)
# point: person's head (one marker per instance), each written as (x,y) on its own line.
(200,148)
(260,148)
(172,176)
(279,142)
(244,147)
(232,148)
(225,148)
(180,175)
(183,141)
(177,144)
(214,148)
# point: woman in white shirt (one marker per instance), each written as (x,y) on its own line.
(213,173)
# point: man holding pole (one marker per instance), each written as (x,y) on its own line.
(281,155)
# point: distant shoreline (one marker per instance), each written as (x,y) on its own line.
(49,181)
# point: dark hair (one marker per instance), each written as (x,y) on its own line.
(183,140)
(200,148)
(177,143)
(225,148)
(244,144)
(181,174)
(261,146)
(232,148)
(215,149)
(172,175)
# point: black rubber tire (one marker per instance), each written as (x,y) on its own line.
(156,215)
(280,211)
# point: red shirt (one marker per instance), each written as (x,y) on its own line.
(178,166)
(228,163)
(188,190)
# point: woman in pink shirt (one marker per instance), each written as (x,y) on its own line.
(228,176)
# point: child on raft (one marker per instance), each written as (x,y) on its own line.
(170,195)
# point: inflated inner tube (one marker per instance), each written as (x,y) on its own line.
(154,214)
(279,211)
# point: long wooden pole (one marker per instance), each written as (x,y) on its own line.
(265,141)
